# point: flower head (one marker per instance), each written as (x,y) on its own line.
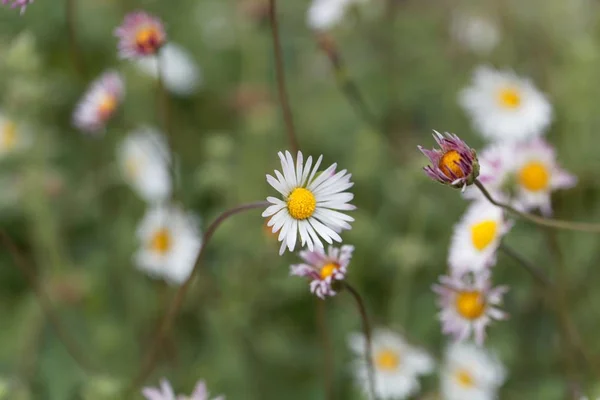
(397,364)
(476,33)
(99,103)
(144,161)
(310,203)
(325,14)
(324,268)
(476,237)
(471,373)
(169,243)
(18,3)
(454,164)
(468,304)
(13,136)
(140,35)
(165,392)
(505,107)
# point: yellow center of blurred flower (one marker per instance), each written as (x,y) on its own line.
(148,39)
(107,105)
(132,167)
(509,97)
(9,135)
(387,360)
(470,305)
(161,241)
(465,378)
(534,176)
(328,270)
(449,164)
(483,233)
(301,203)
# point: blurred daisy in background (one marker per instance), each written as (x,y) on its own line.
(505,107)
(477,237)
(310,204)
(13,137)
(169,243)
(537,174)
(326,14)
(144,160)
(470,373)
(99,103)
(180,73)
(165,392)
(397,365)
(323,269)
(474,32)
(469,304)
(140,35)
(496,163)
(18,3)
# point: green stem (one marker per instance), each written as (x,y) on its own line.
(536,272)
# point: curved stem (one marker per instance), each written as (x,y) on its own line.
(171,313)
(536,272)
(74,49)
(280,73)
(367,332)
(551,223)
(46,304)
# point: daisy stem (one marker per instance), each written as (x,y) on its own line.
(548,222)
(280,74)
(367,331)
(536,272)
(76,58)
(45,303)
(327,349)
(171,313)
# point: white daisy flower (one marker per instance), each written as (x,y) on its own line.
(169,243)
(469,304)
(476,33)
(13,137)
(505,107)
(477,237)
(165,392)
(496,163)
(397,365)
(471,373)
(99,103)
(180,72)
(537,174)
(309,204)
(144,160)
(325,14)
(323,269)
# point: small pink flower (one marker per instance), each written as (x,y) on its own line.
(165,392)
(140,35)
(468,304)
(18,3)
(324,269)
(99,103)
(454,164)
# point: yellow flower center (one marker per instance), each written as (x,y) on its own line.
(132,167)
(465,378)
(301,203)
(387,360)
(470,305)
(148,40)
(534,176)
(161,241)
(449,164)
(107,105)
(483,233)
(9,135)
(328,270)
(509,97)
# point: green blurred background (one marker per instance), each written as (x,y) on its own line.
(246,327)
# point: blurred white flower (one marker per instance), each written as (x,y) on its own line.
(471,373)
(477,237)
(397,364)
(169,243)
(144,161)
(505,107)
(325,14)
(310,203)
(476,33)
(99,103)
(180,72)
(165,392)
(13,137)
(496,162)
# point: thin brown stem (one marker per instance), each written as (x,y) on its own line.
(536,272)
(548,222)
(171,313)
(75,51)
(46,304)
(367,332)
(280,74)
(327,349)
